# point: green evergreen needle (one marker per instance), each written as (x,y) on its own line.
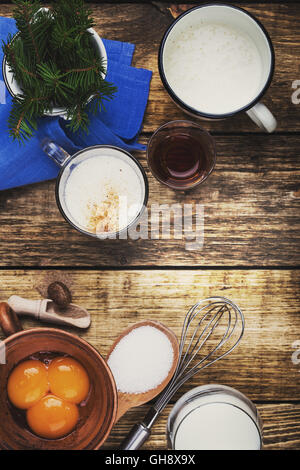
(54,62)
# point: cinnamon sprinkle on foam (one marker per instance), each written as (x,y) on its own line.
(103,217)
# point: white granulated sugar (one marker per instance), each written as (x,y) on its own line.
(95,190)
(141,360)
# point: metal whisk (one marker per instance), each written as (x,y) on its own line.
(212,328)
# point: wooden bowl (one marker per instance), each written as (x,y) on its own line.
(96,418)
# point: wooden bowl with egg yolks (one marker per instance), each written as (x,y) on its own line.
(96,417)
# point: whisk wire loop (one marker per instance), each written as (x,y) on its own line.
(192,350)
(209,314)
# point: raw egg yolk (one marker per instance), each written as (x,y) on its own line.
(52,417)
(27,384)
(68,379)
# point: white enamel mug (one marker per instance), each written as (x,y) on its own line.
(237,19)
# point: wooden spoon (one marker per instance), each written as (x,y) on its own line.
(130,400)
(46,310)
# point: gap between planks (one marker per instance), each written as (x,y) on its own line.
(150,268)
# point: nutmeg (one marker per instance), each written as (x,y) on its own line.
(60,294)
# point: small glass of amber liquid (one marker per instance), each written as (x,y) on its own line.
(181,154)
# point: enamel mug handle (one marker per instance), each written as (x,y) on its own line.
(262,117)
(55,152)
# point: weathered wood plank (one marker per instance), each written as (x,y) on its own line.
(144,24)
(261,367)
(251,207)
(269,299)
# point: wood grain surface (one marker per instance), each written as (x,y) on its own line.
(251,201)
(251,251)
(251,216)
(269,299)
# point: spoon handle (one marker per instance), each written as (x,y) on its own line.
(45,310)
(32,308)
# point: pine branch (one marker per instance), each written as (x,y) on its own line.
(19,63)
(55,86)
(24,14)
(74,13)
(78,119)
(23,117)
(55,63)
(106,93)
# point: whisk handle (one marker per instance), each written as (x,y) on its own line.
(140,432)
(136,437)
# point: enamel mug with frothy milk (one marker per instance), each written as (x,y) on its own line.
(217,60)
(81,188)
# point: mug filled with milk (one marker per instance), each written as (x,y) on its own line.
(101,190)
(217,60)
(214,417)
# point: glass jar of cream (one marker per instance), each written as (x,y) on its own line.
(214,417)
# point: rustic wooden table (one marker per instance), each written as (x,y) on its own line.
(251,249)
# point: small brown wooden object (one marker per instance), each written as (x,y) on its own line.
(9,321)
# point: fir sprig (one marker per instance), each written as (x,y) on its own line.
(54,62)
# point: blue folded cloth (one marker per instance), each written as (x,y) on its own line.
(119,125)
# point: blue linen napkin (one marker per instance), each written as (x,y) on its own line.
(119,125)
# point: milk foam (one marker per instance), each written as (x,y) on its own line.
(96,187)
(213,68)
